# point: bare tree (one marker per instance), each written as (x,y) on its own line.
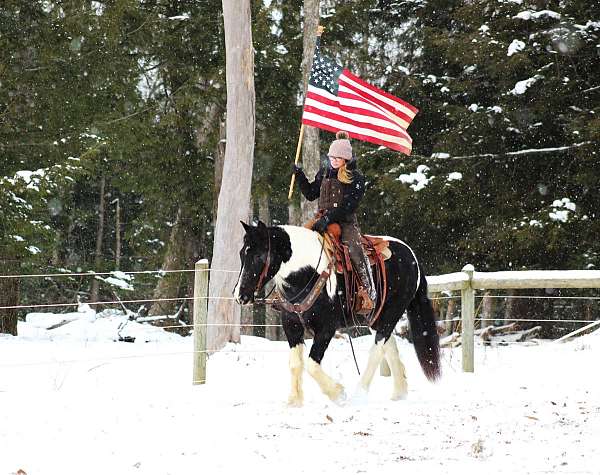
(310,144)
(99,239)
(183,243)
(9,297)
(168,286)
(234,197)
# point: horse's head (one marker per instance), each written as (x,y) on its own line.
(255,257)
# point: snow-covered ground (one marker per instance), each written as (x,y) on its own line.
(72,401)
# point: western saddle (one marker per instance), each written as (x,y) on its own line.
(377,250)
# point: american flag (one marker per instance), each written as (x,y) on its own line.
(338,100)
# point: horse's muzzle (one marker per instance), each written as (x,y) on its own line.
(245,299)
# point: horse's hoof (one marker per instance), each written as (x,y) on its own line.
(294,402)
(399,396)
(341,399)
(338,395)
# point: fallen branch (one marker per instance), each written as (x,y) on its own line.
(577,332)
(451,341)
(531,333)
(59,324)
(488,332)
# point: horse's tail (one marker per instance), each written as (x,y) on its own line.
(424,331)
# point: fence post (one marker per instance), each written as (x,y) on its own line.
(468,321)
(200,319)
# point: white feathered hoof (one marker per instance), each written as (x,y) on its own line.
(399,396)
(337,394)
(295,402)
(342,397)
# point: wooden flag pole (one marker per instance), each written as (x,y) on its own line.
(296,161)
(320,30)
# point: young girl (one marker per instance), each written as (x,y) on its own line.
(339,187)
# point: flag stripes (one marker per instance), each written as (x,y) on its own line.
(364,111)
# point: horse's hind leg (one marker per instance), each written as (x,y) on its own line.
(332,389)
(398,372)
(375,357)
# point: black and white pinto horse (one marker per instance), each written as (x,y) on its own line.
(293,256)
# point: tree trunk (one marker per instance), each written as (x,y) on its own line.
(219,160)
(234,197)
(193,251)
(248,313)
(509,309)
(450,313)
(183,248)
(9,297)
(168,286)
(487,310)
(310,144)
(294,214)
(118,235)
(99,238)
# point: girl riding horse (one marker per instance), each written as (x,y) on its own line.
(339,188)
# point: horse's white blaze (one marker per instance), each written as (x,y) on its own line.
(375,357)
(236,290)
(296,367)
(306,252)
(397,368)
(388,238)
(333,390)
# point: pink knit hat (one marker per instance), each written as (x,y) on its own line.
(341,147)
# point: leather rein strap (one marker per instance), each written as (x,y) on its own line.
(309,300)
(265,271)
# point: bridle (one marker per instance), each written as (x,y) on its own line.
(265,270)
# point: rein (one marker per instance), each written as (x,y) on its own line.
(265,269)
(285,304)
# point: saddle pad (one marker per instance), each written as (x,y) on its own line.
(381,246)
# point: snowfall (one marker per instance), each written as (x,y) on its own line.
(75,400)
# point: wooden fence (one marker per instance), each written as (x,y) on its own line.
(468,282)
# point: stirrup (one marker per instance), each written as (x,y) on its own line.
(364,304)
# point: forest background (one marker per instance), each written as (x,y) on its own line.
(112,135)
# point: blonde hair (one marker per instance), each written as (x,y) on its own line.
(344,175)
(344,149)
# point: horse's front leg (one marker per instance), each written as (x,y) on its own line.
(294,332)
(296,397)
(332,389)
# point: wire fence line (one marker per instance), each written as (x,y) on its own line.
(93,274)
(113,302)
(533,297)
(178,299)
(117,302)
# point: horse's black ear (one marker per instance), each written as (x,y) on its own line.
(246,226)
(261,225)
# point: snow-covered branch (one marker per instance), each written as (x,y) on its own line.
(530,151)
